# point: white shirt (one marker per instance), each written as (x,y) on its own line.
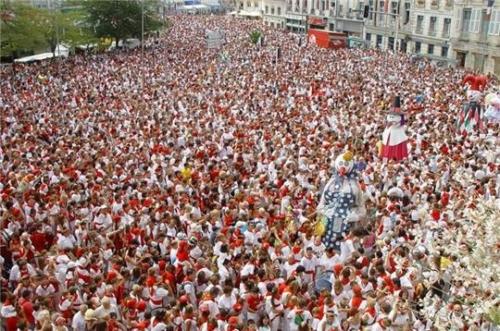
(78,323)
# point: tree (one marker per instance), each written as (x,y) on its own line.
(19,33)
(64,27)
(28,29)
(255,36)
(120,19)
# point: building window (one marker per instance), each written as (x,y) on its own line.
(394,7)
(279,11)
(272,10)
(370,14)
(494,28)
(430,49)
(444,51)
(266,9)
(381,9)
(391,43)
(432,26)
(446,27)
(379,41)
(407,12)
(418,47)
(471,20)
(420,24)
(368,37)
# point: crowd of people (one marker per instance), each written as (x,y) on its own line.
(176,189)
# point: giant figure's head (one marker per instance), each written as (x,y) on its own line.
(344,163)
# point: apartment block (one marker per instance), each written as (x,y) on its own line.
(476,35)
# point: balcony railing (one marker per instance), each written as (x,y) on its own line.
(419,30)
(432,33)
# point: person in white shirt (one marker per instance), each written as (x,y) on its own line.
(227,300)
(105,309)
(329,259)
(310,262)
(328,323)
(66,240)
(318,247)
(299,318)
(78,323)
(45,289)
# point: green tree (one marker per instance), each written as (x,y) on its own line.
(120,19)
(68,28)
(255,36)
(18,31)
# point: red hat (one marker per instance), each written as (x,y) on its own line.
(112,275)
(233,320)
(141,305)
(131,303)
(337,269)
(237,307)
(296,249)
(184,299)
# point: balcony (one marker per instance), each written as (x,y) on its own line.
(419,30)
(432,33)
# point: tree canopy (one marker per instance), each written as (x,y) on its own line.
(20,29)
(119,19)
(26,29)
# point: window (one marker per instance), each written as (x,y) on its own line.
(475,22)
(418,47)
(466,17)
(430,49)
(381,8)
(494,28)
(391,43)
(432,26)
(379,41)
(279,11)
(407,12)
(446,27)
(420,24)
(266,9)
(444,51)
(368,37)
(370,14)
(471,20)
(394,7)
(272,10)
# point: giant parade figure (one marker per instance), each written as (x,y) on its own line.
(341,204)
(471,116)
(394,139)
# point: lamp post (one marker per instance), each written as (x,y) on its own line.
(142,46)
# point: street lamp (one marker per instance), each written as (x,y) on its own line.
(142,44)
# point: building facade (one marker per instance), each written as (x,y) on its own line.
(451,32)
(273,13)
(476,35)
(431,22)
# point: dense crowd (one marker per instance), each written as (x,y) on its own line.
(176,189)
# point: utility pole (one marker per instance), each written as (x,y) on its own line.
(142,45)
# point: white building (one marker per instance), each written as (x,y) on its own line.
(431,23)
(273,13)
(476,35)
